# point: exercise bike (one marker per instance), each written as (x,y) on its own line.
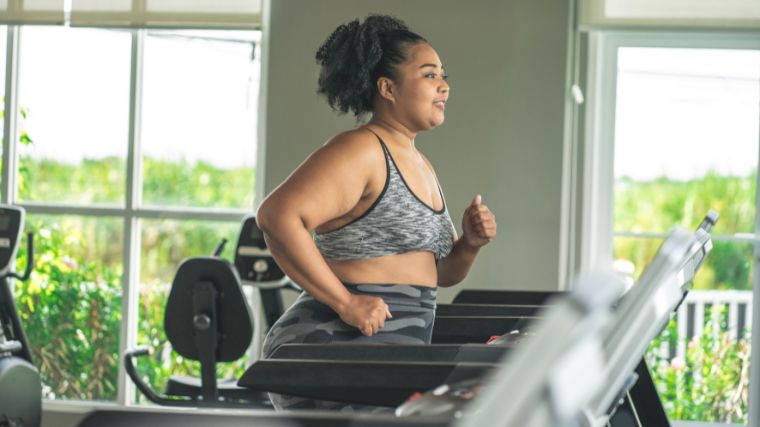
(20,385)
(207,319)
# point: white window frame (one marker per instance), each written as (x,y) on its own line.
(598,146)
(131,213)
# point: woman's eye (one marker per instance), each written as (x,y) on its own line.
(431,75)
(445,76)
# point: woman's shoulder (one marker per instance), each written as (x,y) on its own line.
(356,144)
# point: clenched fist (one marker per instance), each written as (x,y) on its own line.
(478,224)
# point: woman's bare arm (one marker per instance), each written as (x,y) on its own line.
(326,186)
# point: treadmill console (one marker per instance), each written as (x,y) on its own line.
(11,224)
(253,260)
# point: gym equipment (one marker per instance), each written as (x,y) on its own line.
(482,296)
(475,329)
(20,386)
(642,313)
(208,320)
(575,316)
(246,418)
(548,378)
(291,377)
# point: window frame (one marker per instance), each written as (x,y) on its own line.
(596,245)
(132,211)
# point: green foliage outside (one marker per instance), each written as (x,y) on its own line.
(200,184)
(728,267)
(165,183)
(658,205)
(711,383)
(71,310)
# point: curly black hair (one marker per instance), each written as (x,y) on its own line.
(355,55)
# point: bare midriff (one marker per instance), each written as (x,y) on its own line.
(412,268)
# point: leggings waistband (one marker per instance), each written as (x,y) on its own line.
(414,295)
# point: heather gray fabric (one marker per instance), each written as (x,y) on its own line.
(397,222)
(310,321)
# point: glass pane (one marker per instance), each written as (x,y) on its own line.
(75,146)
(71,306)
(700,363)
(686,138)
(165,243)
(200,99)
(3,46)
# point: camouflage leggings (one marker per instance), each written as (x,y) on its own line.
(310,321)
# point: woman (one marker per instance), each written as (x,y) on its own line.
(383,240)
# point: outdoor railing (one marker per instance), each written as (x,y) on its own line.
(729,311)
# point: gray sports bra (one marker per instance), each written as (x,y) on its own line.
(397,222)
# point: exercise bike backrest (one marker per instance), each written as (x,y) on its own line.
(200,286)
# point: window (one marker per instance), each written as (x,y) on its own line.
(76,116)
(3,46)
(678,118)
(212,82)
(135,150)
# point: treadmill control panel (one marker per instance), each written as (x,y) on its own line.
(253,260)
(11,225)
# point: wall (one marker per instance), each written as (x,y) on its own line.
(504,123)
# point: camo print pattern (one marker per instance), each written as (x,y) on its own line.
(310,321)
(397,222)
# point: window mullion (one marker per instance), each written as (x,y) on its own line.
(131,255)
(598,176)
(10,169)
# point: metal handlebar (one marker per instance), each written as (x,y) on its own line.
(29,259)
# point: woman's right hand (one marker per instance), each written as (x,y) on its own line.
(366,313)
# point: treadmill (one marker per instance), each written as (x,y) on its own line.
(568,336)
(589,394)
(362,373)
(246,417)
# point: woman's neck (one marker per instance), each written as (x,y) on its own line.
(398,131)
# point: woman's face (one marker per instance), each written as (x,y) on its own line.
(421,86)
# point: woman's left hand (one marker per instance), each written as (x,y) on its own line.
(478,224)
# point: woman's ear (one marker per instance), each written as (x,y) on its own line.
(386,89)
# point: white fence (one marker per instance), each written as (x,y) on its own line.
(701,307)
